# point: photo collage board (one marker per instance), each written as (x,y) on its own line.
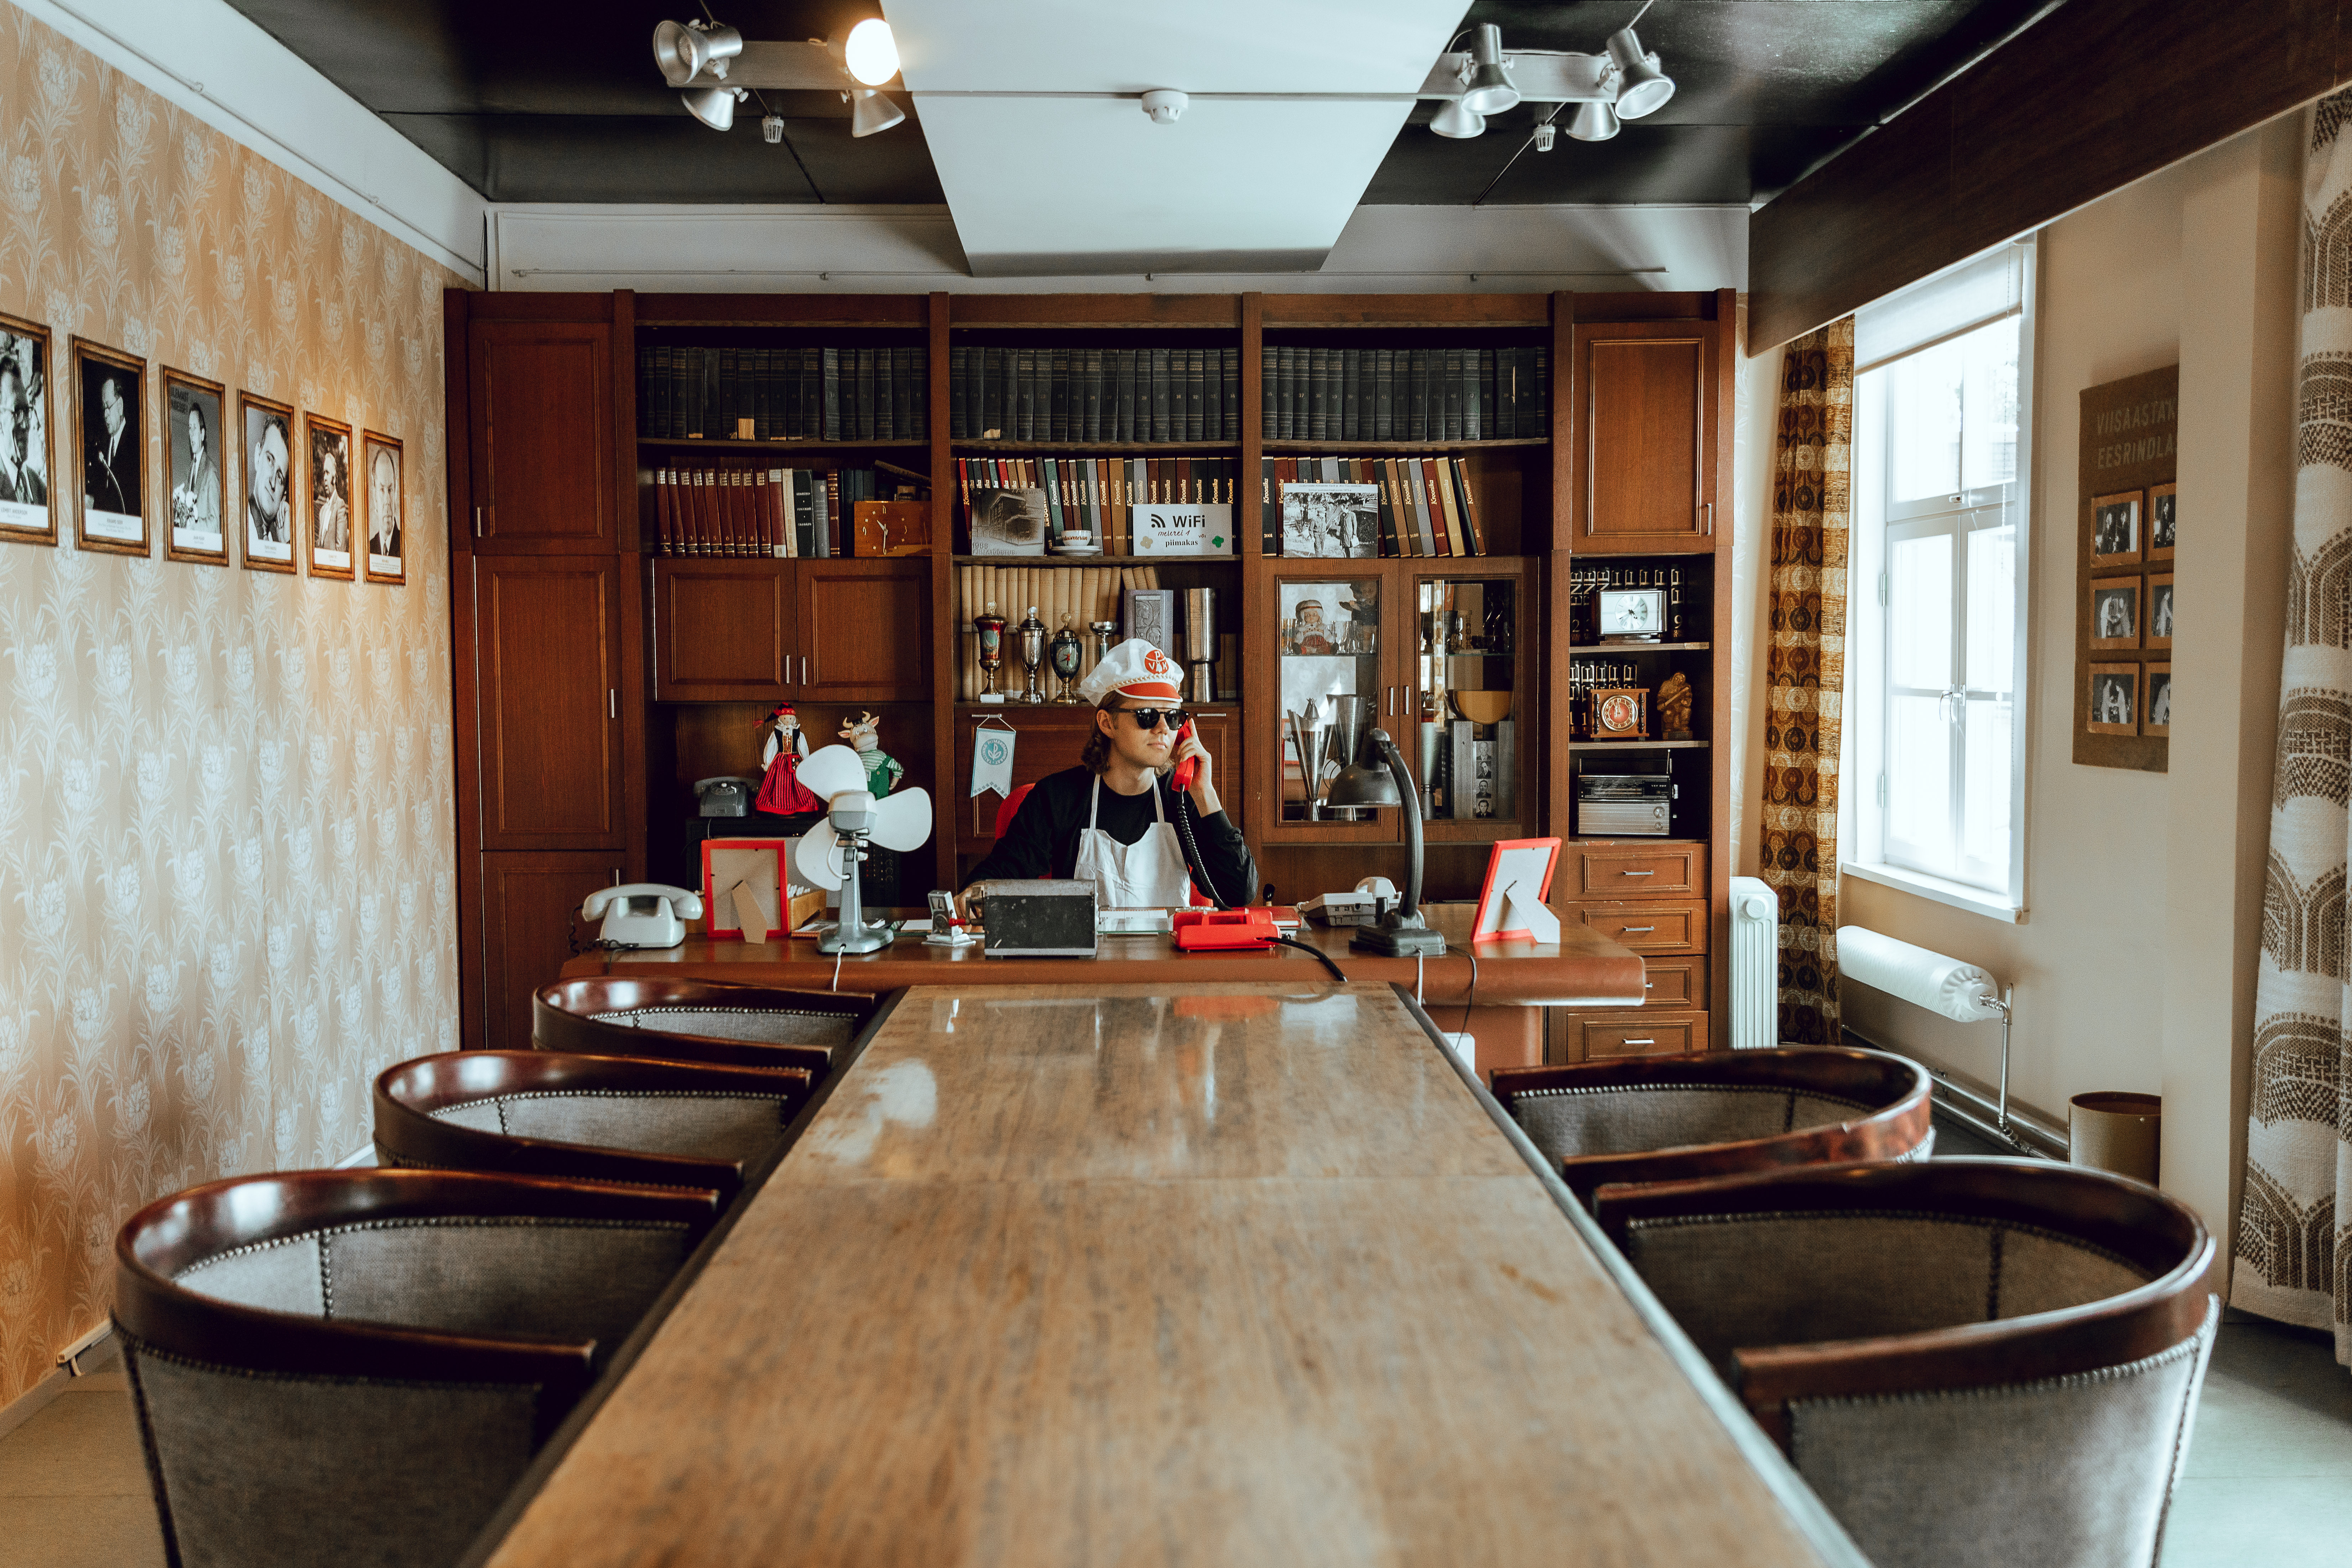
(2128,533)
(242,476)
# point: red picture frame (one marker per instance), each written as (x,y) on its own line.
(719,914)
(1487,911)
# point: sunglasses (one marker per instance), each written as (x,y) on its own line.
(1150,718)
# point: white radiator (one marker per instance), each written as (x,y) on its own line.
(1755,965)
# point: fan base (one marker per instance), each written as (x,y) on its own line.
(858,939)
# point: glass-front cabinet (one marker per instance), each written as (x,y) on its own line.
(1428,654)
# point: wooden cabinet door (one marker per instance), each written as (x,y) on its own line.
(1645,430)
(1346,649)
(723,631)
(1468,674)
(547,642)
(542,436)
(863,631)
(529,904)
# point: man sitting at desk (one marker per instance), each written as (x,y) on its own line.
(1113,819)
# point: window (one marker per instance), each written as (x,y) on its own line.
(1937,720)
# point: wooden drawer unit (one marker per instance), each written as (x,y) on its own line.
(1679,983)
(1668,925)
(1631,868)
(1597,1035)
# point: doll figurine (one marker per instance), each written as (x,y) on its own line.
(882,770)
(780,790)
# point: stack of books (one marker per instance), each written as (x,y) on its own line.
(1094,395)
(1392,507)
(783,395)
(1404,395)
(722,510)
(1095,495)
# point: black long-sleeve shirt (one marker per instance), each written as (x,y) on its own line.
(1041,840)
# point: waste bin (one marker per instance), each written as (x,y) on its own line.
(2116,1132)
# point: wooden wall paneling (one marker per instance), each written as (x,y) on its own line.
(1056,311)
(865,630)
(1405,309)
(946,790)
(548,634)
(543,434)
(723,630)
(530,902)
(627,493)
(1259,779)
(1722,800)
(472,1011)
(780,310)
(1564,394)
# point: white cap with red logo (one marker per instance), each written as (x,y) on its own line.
(1135,670)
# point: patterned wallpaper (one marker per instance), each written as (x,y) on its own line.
(226,853)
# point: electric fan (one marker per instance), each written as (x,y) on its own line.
(830,851)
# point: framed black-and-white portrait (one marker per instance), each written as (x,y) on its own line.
(2162,522)
(327,495)
(266,439)
(2116,529)
(2158,723)
(2114,613)
(2114,699)
(29,503)
(384,512)
(110,444)
(2159,611)
(192,458)
(1334,522)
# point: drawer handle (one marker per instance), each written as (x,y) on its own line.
(1637,873)
(1623,928)
(1638,1042)
(1649,986)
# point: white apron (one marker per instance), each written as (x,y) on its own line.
(1148,874)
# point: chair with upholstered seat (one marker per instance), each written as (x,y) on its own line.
(1663,1119)
(605,1119)
(1973,1362)
(356,1366)
(697,1021)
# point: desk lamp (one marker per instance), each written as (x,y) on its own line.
(1387,782)
(830,851)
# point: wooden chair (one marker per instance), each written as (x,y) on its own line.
(356,1366)
(1663,1119)
(697,1021)
(603,1118)
(1973,1362)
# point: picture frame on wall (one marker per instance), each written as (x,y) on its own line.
(29,497)
(384,512)
(328,524)
(2162,520)
(2158,723)
(2116,529)
(2159,613)
(2114,613)
(2114,699)
(265,430)
(197,484)
(111,445)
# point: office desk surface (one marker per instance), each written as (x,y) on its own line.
(1583,969)
(1063,1275)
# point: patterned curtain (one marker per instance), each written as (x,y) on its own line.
(1804,674)
(2294,1247)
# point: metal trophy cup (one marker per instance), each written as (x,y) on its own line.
(1343,725)
(1066,652)
(991,627)
(1104,631)
(1200,642)
(1033,653)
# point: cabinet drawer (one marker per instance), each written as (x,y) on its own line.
(1676,926)
(1636,870)
(1676,982)
(1614,1035)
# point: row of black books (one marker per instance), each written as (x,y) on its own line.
(1404,395)
(783,395)
(1360,508)
(723,509)
(1094,395)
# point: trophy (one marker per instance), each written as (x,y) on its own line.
(1065,650)
(991,627)
(1201,641)
(1033,653)
(1104,631)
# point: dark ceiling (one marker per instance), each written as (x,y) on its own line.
(534,102)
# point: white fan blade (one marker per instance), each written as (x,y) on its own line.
(819,857)
(829,771)
(903,821)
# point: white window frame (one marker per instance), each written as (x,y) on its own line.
(1864,831)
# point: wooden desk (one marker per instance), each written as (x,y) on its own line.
(1063,1275)
(1583,968)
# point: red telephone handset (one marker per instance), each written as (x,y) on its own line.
(1182,781)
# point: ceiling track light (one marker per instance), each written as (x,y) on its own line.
(1490,90)
(684,50)
(715,68)
(1593,122)
(1624,82)
(869,112)
(1459,123)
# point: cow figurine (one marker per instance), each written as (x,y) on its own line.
(882,770)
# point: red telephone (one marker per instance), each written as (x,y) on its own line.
(1218,930)
(1182,780)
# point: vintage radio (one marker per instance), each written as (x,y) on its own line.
(1046,919)
(1624,805)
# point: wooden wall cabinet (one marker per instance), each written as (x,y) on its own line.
(542,436)
(865,630)
(549,655)
(747,630)
(529,903)
(1645,421)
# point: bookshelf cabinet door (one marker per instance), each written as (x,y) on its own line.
(864,628)
(529,905)
(1337,672)
(548,631)
(1645,431)
(542,436)
(723,631)
(1476,718)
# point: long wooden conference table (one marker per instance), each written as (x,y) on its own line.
(1062,1275)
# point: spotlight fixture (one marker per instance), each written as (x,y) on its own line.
(870,53)
(1458,122)
(1490,90)
(1644,87)
(685,50)
(869,112)
(714,106)
(1593,122)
